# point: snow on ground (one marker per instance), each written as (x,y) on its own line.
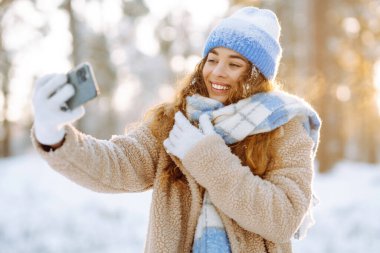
(348,216)
(41,211)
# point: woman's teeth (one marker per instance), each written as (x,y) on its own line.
(219,87)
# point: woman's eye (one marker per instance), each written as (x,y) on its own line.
(235,65)
(211,60)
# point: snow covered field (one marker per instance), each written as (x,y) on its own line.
(41,211)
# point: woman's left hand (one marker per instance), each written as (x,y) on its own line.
(185,136)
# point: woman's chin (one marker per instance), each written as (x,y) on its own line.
(219,98)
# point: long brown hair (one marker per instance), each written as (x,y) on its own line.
(253,151)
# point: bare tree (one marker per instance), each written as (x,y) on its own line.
(5,66)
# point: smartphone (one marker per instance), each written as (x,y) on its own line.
(83,79)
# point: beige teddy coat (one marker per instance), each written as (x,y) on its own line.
(260,214)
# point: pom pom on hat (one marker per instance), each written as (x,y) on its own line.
(252,32)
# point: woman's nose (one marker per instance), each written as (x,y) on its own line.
(219,70)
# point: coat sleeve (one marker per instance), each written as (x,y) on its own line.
(125,163)
(272,206)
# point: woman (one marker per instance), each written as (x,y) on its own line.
(229,161)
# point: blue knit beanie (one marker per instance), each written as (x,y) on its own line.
(252,32)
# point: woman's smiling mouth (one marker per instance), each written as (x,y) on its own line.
(220,87)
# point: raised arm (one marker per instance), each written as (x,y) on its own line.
(125,163)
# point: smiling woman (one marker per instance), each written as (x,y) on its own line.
(230,160)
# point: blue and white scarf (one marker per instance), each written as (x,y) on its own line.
(262,112)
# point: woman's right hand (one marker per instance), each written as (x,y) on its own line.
(51,113)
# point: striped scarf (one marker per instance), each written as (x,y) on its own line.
(260,113)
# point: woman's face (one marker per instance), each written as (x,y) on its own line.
(222,72)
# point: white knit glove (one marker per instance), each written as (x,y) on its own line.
(185,136)
(51,113)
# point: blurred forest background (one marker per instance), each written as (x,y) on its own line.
(139,49)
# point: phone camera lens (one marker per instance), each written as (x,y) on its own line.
(81,75)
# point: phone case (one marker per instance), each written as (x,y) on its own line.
(84,82)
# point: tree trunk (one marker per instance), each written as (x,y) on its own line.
(5,65)
(330,149)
